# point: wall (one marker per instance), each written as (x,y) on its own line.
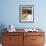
(9,13)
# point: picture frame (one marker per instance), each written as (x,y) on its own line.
(26,13)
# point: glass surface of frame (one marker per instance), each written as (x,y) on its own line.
(26,13)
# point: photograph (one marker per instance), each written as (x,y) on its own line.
(22,23)
(26,13)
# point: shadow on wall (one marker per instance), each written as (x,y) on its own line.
(2,26)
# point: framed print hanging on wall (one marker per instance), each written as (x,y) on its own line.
(26,13)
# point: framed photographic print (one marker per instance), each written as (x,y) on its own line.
(26,13)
